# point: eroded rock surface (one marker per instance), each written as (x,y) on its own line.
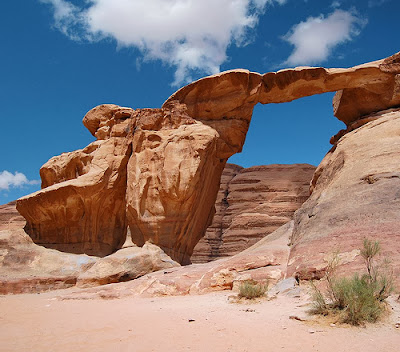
(366,88)
(154,170)
(356,195)
(173,178)
(157,170)
(81,208)
(265,261)
(29,268)
(251,204)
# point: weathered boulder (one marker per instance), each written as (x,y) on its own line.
(265,261)
(126,264)
(29,268)
(356,195)
(251,204)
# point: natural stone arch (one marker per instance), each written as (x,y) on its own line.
(158,170)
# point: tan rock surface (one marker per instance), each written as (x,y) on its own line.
(355,196)
(29,268)
(154,170)
(251,204)
(126,264)
(265,261)
(232,94)
(173,178)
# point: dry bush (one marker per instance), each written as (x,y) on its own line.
(252,289)
(357,299)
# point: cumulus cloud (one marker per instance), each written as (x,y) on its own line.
(8,179)
(315,38)
(191,35)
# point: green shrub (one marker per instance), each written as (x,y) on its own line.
(251,289)
(357,299)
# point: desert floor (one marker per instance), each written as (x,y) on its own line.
(42,322)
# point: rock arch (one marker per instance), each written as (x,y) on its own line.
(158,170)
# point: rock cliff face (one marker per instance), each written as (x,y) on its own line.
(356,195)
(251,204)
(208,248)
(158,170)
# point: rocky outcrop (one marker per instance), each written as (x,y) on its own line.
(154,170)
(356,195)
(157,170)
(81,208)
(265,261)
(251,204)
(173,178)
(29,268)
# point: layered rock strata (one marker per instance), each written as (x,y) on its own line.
(157,170)
(251,204)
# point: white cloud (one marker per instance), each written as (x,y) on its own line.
(315,38)
(374,3)
(191,35)
(8,179)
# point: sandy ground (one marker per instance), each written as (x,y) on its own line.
(41,322)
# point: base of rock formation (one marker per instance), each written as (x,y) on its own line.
(265,261)
(28,268)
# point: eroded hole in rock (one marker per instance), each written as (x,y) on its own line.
(263,193)
(166,195)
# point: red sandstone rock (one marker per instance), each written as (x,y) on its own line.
(173,178)
(251,204)
(355,196)
(208,248)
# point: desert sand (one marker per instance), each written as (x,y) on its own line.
(44,322)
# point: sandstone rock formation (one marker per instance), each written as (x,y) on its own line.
(29,268)
(154,170)
(251,204)
(264,261)
(81,208)
(356,195)
(232,94)
(157,170)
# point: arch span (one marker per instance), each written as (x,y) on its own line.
(157,171)
(231,95)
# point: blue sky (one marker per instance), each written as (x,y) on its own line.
(61,58)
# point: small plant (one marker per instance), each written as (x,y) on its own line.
(357,299)
(252,289)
